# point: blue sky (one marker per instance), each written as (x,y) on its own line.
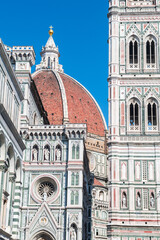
(80,31)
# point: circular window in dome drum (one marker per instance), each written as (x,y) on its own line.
(45,188)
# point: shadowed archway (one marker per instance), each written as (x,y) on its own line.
(43,236)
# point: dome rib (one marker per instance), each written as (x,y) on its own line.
(66,100)
(62,92)
(89,94)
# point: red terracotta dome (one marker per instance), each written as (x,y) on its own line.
(65,99)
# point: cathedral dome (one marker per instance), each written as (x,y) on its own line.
(66,100)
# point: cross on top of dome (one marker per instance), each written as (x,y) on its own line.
(50,54)
(51,30)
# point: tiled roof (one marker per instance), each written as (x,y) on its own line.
(97,182)
(82,107)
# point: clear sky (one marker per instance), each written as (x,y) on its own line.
(80,31)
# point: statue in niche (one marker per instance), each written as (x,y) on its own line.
(72,233)
(35,153)
(138,200)
(124,200)
(152,200)
(46,154)
(58,153)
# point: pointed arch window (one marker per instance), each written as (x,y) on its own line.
(134,115)
(151,52)
(133,53)
(75,151)
(152,115)
(75,179)
(74,198)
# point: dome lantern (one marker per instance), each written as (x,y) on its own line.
(50,55)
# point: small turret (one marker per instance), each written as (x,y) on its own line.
(22,57)
(50,55)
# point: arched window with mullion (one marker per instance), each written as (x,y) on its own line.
(152,114)
(133,52)
(150,51)
(134,114)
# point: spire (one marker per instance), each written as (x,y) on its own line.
(50,55)
(50,43)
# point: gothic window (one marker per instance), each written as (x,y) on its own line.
(35,151)
(74,179)
(152,115)
(75,151)
(58,153)
(133,53)
(46,155)
(74,198)
(134,112)
(150,52)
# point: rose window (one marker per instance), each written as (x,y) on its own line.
(46,188)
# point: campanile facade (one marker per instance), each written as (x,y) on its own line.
(134,119)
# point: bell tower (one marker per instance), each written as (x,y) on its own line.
(134,119)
